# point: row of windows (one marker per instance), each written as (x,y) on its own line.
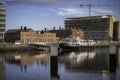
(2,30)
(85,24)
(42,40)
(32,35)
(96,37)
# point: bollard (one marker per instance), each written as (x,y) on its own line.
(54,63)
(112,59)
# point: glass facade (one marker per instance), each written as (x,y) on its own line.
(94,27)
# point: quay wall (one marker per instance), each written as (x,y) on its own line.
(106,44)
(14,48)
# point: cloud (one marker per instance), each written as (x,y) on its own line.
(78,12)
(70,12)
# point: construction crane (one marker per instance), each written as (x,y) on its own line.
(92,5)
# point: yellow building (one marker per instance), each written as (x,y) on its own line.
(33,36)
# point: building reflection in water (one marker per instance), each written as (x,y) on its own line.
(94,61)
(85,61)
(2,69)
(24,60)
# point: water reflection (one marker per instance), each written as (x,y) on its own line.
(86,65)
(85,61)
(25,66)
(89,64)
(2,69)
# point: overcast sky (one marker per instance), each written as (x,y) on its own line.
(40,14)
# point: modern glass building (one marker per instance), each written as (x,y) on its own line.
(2,21)
(94,27)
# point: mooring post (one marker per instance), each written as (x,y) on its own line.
(112,58)
(54,63)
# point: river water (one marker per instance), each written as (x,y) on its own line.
(89,64)
(25,66)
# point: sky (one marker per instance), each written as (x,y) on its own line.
(40,14)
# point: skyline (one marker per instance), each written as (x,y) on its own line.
(39,14)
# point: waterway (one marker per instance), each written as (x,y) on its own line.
(88,64)
(25,66)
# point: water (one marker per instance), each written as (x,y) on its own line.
(25,66)
(88,65)
(91,64)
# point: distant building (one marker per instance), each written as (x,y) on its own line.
(2,21)
(116,31)
(29,36)
(94,27)
(63,33)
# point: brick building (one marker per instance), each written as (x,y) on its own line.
(63,33)
(29,36)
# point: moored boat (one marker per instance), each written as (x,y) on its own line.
(73,43)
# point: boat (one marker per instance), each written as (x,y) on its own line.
(75,43)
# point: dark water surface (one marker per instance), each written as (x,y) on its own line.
(90,64)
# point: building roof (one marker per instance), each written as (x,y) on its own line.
(90,17)
(13,30)
(18,30)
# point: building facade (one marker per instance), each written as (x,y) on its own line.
(116,31)
(94,27)
(2,21)
(29,36)
(66,32)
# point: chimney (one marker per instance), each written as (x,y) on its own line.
(45,29)
(53,28)
(25,28)
(39,32)
(60,28)
(21,27)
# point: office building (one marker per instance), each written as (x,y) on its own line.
(94,27)
(2,21)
